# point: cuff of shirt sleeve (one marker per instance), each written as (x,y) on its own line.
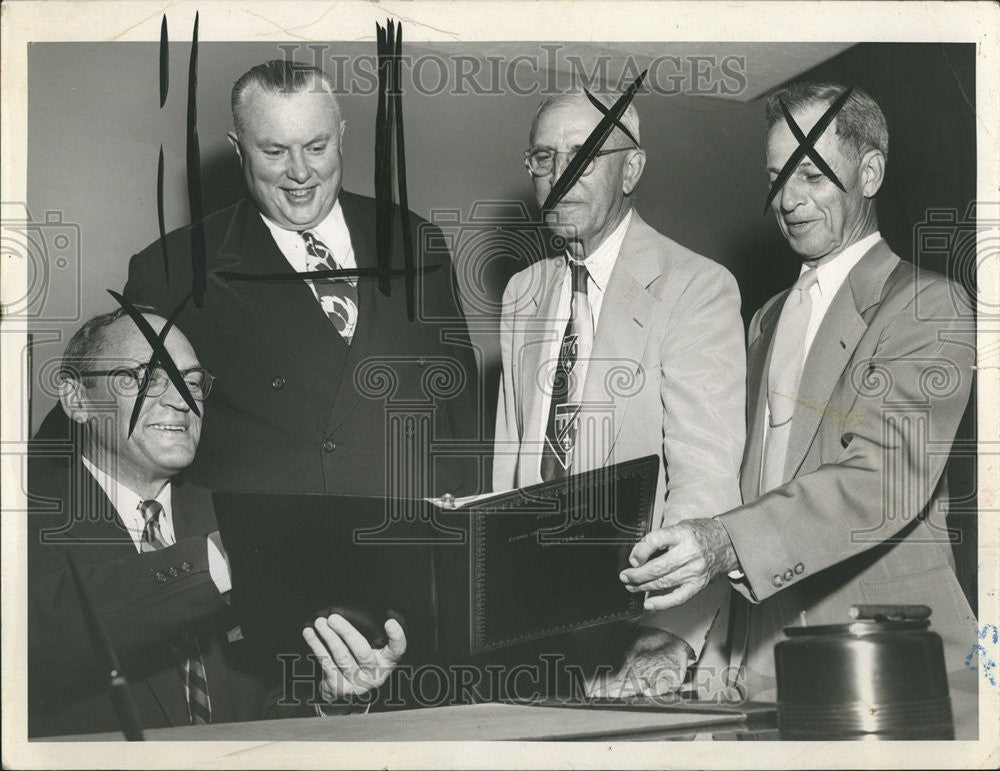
(345,709)
(218,564)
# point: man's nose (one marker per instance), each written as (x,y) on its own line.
(297,169)
(791,196)
(172,398)
(559,164)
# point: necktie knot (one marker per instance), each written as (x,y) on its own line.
(806,282)
(579,272)
(151,511)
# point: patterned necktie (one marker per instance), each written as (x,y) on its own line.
(787,358)
(339,297)
(187,652)
(567,385)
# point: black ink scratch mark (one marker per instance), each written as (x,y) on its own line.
(404,203)
(154,360)
(159,216)
(807,146)
(589,149)
(198,260)
(618,124)
(383,156)
(164,62)
(160,352)
(320,275)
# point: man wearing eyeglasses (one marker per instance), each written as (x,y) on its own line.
(147,548)
(626,344)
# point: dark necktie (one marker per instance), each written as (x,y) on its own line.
(187,653)
(567,385)
(339,297)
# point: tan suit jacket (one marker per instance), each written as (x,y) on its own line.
(666,378)
(861,516)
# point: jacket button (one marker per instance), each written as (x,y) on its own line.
(788,575)
(278,383)
(160,577)
(172,572)
(776,580)
(800,569)
(421,361)
(329,445)
(185,567)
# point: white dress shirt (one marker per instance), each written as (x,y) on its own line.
(127,502)
(332,231)
(600,263)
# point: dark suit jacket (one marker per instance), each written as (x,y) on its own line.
(294,407)
(143,600)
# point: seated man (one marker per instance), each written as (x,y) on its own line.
(148,552)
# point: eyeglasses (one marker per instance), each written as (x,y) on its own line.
(128,381)
(541,160)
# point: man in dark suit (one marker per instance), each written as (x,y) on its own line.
(323,385)
(858,377)
(146,545)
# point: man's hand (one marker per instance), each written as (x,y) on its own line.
(350,665)
(695,551)
(655,664)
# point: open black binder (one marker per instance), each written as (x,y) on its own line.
(495,571)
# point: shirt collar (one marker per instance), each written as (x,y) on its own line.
(125,500)
(601,261)
(830,275)
(328,231)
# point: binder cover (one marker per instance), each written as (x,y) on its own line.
(495,571)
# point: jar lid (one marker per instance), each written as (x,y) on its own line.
(871,619)
(858,628)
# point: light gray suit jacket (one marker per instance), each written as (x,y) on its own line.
(666,378)
(861,516)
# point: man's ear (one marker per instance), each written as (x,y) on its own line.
(872,172)
(235,142)
(73,400)
(632,170)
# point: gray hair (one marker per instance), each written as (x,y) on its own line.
(90,342)
(860,121)
(279,76)
(607,97)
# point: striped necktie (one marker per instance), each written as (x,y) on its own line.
(339,296)
(567,386)
(187,652)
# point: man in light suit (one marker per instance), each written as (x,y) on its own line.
(658,360)
(147,548)
(858,377)
(311,371)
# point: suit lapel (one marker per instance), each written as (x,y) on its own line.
(758,362)
(191,510)
(619,341)
(285,312)
(537,339)
(369,298)
(833,347)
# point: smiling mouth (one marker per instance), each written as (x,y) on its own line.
(169,427)
(299,195)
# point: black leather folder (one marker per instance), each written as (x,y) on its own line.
(492,572)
